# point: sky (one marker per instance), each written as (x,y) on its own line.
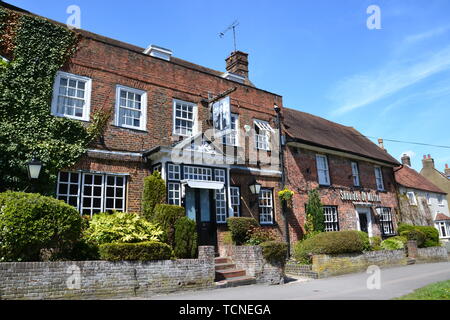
(320,55)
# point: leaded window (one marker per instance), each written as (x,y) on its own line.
(266,206)
(331,218)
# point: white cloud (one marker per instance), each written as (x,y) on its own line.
(360,90)
(414,38)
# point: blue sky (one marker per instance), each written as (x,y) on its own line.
(392,83)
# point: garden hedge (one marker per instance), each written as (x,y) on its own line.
(166,216)
(431,234)
(185,238)
(275,252)
(31,223)
(335,242)
(141,251)
(240,228)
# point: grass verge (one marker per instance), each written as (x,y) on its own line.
(435,291)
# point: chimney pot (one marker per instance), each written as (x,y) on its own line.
(428,162)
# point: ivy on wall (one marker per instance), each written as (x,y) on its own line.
(39,49)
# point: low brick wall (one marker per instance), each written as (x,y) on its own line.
(301,270)
(250,258)
(333,265)
(433,254)
(105,280)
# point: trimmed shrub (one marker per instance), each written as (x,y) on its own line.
(394,243)
(275,252)
(83,251)
(315,219)
(335,242)
(431,234)
(226,238)
(167,215)
(259,235)
(185,238)
(365,239)
(154,193)
(416,235)
(141,251)
(121,227)
(31,223)
(375,243)
(240,228)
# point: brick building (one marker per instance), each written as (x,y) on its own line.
(162,105)
(354,176)
(421,202)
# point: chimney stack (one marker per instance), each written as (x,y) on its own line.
(428,162)
(237,63)
(406,160)
(381,144)
(447,171)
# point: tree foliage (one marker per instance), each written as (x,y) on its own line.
(154,193)
(315,219)
(37,50)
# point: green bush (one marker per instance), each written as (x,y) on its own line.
(166,216)
(83,251)
(375,243)
(328,243)
(431,234)
(394,243)
(365,239)
(240,228)
(259,235)
(275,252)
(30,223)
(154,193)
(185,238)
(226,238)
(141,251)
(315,218)
(121,227)
(415,234)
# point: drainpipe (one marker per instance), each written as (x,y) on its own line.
(283,181)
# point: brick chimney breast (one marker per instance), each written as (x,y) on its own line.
(406,160)
(428,162)
(447,171)
(237,63)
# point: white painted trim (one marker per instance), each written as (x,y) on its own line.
(195,127)
(88,90)
(143,119)
(368,213)
(130,154)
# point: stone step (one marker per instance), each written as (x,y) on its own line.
(220,260)
(235,282)
(227,274)
(225,266)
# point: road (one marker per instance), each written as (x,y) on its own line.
(395,282)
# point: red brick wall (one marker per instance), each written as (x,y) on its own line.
(302,177)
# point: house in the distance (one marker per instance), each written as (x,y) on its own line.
(421,202)
(437,177)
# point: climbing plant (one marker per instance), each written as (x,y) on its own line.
(37,50)
(315,219)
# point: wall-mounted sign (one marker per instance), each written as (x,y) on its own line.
(360,196)
(221,111)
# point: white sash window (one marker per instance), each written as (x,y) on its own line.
(322,170)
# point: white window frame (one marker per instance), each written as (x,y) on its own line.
(262,140)
(232,138)
(173,170)
(220,197)
(143,110)
(411,198)
(266,195)
(174,193)
(386,222)
(326,170)
(446,225)
(428,196)
(87,95)
(440,200)
(104,185)
(355,174)
(379,178)
(235,201)
(194,118)
(331,218)
(197,173)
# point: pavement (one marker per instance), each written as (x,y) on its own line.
(394,282)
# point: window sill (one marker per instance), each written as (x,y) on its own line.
(128,128)
(71,118)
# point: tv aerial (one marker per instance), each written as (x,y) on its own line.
(231,27)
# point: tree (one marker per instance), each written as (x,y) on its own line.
(154,193)
(315,219)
